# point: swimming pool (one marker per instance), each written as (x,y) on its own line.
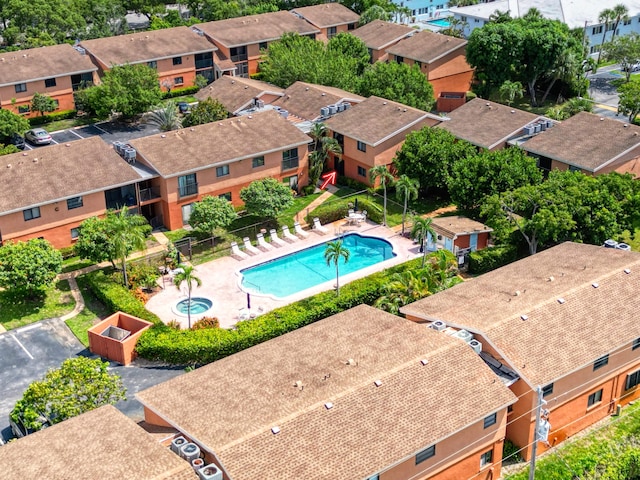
(307,268)
(439,22)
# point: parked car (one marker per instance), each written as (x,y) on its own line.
(633,67)
(17,140)
(183,107)
(38,136)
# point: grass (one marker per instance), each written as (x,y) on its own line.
(17,311)
(70,123)
(93,311)
(75,263)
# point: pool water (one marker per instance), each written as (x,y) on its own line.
(198,305)
(439,22)
(307,268)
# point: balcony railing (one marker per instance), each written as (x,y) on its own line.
(189,189)
(147,194)
(290,163)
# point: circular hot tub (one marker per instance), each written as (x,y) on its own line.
(197,306)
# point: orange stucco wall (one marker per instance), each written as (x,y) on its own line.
(122,352)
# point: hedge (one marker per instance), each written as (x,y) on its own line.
(487,259)
(52,117)
(179,92)
(330,212)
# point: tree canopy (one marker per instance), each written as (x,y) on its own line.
(624,50)
(42,103)
(28,267)
(266,197)
(11,123)
(211,213)
(629,103)
(207,111)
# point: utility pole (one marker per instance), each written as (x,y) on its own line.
(534,450)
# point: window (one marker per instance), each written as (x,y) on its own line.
(601,362)
(75,232)
(476,20)
(399,59)
(632,380)
(31,213)
(152,64)
(204,60)
(636,344)
(21,87)
(362,146)
(258,162)
(177,60)
(486,458)
(596,30)
(187,185)
(490,420)
(547,390)
(419,64)
(574,169)
(50,82)
(610,26)
(331,32)
(362,171)
(56,103)
(595,397)
(463,19)
(425,454)
(627,22)
(178,81)
(291,181)
(238,54)
(186,213)
(262,46)
(351,26)
(75,202)
(222,171)
(242,69)
(81,80)
(23,109)
(290,159)
(226,196)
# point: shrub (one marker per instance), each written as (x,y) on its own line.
(490,258)
(52,117)
(206,322)
(308,189)
(333,211)
(67,252)
(471,95)
(179,92)
(351,183)
(142,275)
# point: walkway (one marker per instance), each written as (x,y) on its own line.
(331,190)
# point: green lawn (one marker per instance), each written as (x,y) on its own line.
(93,311)
(69,123)
(75,263)
(16,312)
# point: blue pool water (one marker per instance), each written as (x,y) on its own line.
(439,22)
(307,268)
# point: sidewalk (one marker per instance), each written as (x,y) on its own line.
(331,189)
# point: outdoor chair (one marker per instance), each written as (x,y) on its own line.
(251,250)
(262,243)
(287,235)
(275,240)
(299,231)
(237,253)
(318,228)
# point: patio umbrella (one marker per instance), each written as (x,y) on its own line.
(355,206)
(248,301)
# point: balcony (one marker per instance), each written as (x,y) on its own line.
(148,194)
(188,190)
(290,163)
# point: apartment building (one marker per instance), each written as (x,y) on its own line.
(330,18)
(380,35)
(238,94)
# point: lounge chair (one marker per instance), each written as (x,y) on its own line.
(262,243)
(251,250)
(299,231)
(318,228)
(287,235)
(237,253)
(275,240)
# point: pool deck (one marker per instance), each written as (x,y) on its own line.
(220,278)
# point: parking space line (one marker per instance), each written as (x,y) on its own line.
(54,141)
(27,328)
(101,129)
(76,134)
(22,346)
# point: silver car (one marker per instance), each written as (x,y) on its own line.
(38,136)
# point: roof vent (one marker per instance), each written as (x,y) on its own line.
(424,361)
(513,111)
(299,385)
(192,129)
(306,89)
(35,160)
(377,383)
(551,278)
(323,94)
(516,293)
(328,405)
(163,136)
(67,144)
(626,270)
(595,285)
(487,104)
(275,430)
(384,103)
(625,125)
(561,300)
(602,119)
(24,154)
(524,317)
(9,165)
(351,362)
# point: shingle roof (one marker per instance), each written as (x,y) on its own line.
(458,225)
(375,120)
(426,47)
(327,14)
(57,172)
(100,444)
(306,99)
(43,62)
(264,27)
(368,427)
(587,141)
(589,324)
(380,34)
(236,93)
(191,149)
(147,46)
(486,124)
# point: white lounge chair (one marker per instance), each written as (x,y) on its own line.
(262,243)
(237,253)
(287,235)
(318,228)
(275,240)
(251,250)
(299,231)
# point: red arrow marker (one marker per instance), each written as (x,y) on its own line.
(329,178)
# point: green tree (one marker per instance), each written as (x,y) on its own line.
(605,17)
(629,103)
(620,13)
(93,241)
(406,189)
(381,172)
(323,145)
(207,111)
(456,27)
(43,103)
(211,213)
(266,197)
(126,89)
(404,288)
(576,105)
(422,231)
(29,267)
(187,276)
(165,117)
(398,82)
(428,156)
(127,233)
(200,81)
(7,149)
(509,91)
(80,384)
(624,50)
(11,123)
(345,44)
(375,12)
(476,177)
(332,254)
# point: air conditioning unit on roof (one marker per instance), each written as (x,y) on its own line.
(129,154)
(190,451)
(438,325)
(259,103)
(476,346)
(324,111)
(529,130)
(210,472)
(333,109)
(177,443)
(341,107)
(346,105)
(464,335)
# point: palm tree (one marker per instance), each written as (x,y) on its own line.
(323,145)
(500,17)
(421,231)
(406,189)
(332,254)
(126,235)
(381,172)
(509,91)
(165,117)
(317,133)
(187,275)
(605,17)
(620,13)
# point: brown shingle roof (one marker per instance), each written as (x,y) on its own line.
(375,120)
(368,427)
(100,444)
(426,46)
(458,225)
(587,141)
(306,99)
(218,143)
(591,322)
(44,62)
(147,46)
(56,172)
(264,27)
(486,124)
(236,93)
(380,34)
(327,14)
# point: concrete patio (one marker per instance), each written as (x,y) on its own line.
(220,277)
